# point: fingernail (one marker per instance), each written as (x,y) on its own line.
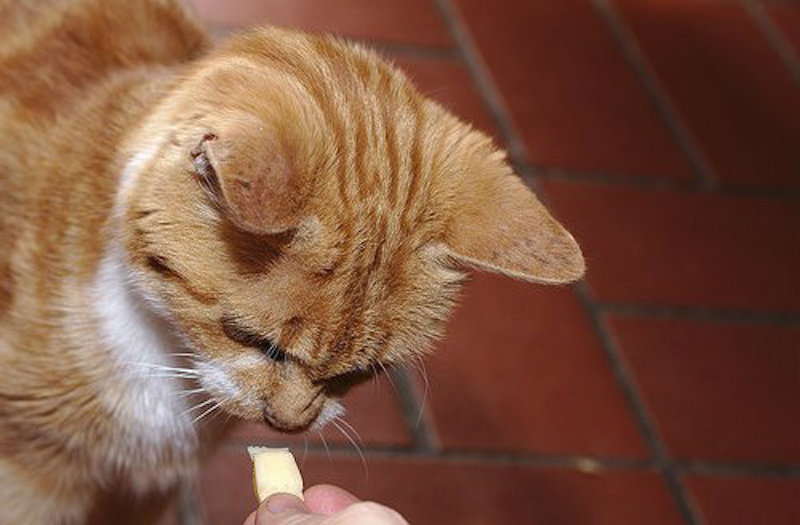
(283,502)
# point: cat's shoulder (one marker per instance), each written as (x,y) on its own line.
(168,27)
(52,48)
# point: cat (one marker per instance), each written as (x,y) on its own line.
(248,223)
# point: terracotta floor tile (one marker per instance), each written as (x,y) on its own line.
(718,391)
(786,18)
(372,410)
(119,506)
(734,501)
(428,492)
(226,488)
(733,90)
(521,369)
(572,95)
(449,83)
(684,248)
(410,21)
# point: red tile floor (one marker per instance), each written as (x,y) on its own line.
(664,387)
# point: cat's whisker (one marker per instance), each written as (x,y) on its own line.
(183,354)
(154,366)
(325,444)
(352,429)
(201,416)
(374,378)
(163,371)
(224,412)
(357,448)
(197,406)
(389,377)
(218,413)
(191,392)
(172,376)
(419,364)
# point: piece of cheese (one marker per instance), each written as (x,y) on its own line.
(275,470)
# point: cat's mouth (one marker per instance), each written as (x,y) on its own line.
(292,407)
(294,419)
(330,410)
(294,404)
(323,408)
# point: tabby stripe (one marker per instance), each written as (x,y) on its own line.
(361,139)
(377,257)
(390,137)
(382,173)
(161,266)
(416,171)
(335,106)
(317,345)
(365,128)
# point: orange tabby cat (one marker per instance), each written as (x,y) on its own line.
(248,223)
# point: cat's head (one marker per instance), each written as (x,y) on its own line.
(304,214)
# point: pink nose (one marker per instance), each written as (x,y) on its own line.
(293,417)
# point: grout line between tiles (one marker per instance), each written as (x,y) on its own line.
(482,78)
(698,314)
(618,179)
(776,39)
(418,424)
(697,467)
(657,92)
(639,408)
(584,463)
(519,157)
(587,464)
(648,182)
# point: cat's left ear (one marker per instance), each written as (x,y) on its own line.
(249,172)
(499,225)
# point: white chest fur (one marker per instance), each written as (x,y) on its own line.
(146,402)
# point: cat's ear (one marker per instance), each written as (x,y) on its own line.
(248,172)
(500,225)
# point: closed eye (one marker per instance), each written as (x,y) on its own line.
(250,339)
(271,350)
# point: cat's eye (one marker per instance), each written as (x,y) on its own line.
(246,337)
(271,350)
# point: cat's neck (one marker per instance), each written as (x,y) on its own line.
(147,396)
(144,345)
(148,399)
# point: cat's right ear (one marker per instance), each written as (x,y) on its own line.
(499,225)
(248,171)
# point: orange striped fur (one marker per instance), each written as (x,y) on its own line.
(245,228)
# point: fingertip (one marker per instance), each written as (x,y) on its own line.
(328,499)
(283,502)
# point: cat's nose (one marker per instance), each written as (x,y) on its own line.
(293,416)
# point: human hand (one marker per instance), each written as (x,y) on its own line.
(324,505)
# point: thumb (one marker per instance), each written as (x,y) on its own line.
(278,503)
(284,509)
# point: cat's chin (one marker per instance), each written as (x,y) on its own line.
(330,410)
